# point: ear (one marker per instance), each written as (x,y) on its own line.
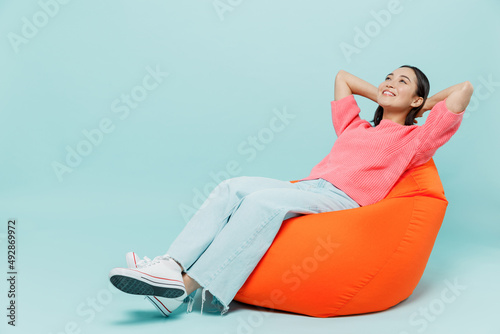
(417,102)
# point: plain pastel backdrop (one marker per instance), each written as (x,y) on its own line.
(185,94)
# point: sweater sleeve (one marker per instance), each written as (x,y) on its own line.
(439,127)
(344,112)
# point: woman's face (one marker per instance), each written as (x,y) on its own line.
(398,91)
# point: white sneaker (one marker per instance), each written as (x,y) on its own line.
(161,277)
(164,305)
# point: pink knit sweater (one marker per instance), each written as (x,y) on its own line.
(365,161)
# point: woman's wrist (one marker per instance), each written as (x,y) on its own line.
(442,95)
(429,103)
(347,83)
(361,87)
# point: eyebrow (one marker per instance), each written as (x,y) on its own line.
(400,76)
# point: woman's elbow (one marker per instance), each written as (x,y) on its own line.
(460,98)
(467,88)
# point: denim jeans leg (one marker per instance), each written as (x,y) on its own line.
(214,214)
(238,247)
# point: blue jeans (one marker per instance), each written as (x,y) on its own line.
(224,241)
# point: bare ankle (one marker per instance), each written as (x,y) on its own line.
(190,284)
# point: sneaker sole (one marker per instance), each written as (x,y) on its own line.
(131,258)
(125,281)
(163,310)
(137,287)
(162,307)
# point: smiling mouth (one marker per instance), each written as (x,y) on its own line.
(388,93)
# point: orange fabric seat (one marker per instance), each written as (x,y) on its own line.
(352,261)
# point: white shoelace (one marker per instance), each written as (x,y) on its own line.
(148,262)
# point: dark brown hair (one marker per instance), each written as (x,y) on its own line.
(423,88)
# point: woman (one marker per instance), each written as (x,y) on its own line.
(224,241)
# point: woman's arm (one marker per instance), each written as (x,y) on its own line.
(347,84)
(457,97)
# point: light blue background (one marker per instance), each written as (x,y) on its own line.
(228,76)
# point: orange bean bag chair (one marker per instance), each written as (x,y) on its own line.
(352,261)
